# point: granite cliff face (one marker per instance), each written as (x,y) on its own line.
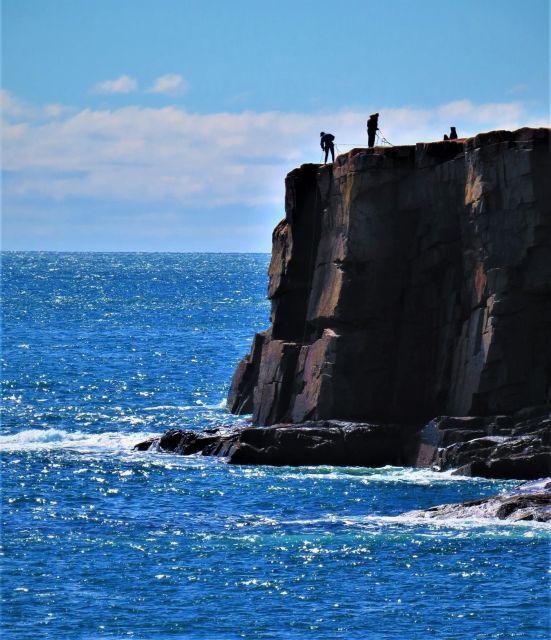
(409,282)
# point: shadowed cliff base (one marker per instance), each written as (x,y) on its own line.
(506,447)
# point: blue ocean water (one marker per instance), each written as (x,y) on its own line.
(102,350)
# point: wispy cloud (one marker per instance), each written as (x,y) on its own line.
(170,84)
(168,155)
(123,84)
(518,88)
(13,109)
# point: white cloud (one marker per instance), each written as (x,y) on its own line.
(518,88)
(167,155)
(12,108)
(170,84)
(55,110)
(123,84)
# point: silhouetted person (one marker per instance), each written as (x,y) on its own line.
(453,133)
(372,128)
(446,136)
(326,143)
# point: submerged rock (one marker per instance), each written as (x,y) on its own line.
(530,502)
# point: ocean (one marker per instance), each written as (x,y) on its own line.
(100,351)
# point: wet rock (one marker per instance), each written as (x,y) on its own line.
(312,443)
(517,446)
(527,503)
(508,447)
(183,442)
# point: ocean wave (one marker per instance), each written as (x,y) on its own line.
(479,520)
(387,474)
(169,407)
(46,439)
(380,524)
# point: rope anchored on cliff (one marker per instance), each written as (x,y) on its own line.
(383,140)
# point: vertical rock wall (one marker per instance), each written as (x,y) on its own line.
(409,282)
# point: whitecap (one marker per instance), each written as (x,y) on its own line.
(471,521)
(387,474)
(48,439)
(169,407)
(132,420)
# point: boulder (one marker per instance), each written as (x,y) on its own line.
(530,502)
(517,446)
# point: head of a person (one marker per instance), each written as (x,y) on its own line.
(322,133)
(453,129)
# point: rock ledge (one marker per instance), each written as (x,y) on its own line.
(530,502)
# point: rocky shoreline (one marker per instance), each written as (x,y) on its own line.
(507,447)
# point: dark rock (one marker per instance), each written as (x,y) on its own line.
(146,445)
(527,467)
(527,503)
(476,446)
(312,443)
(183,442)
(517,446)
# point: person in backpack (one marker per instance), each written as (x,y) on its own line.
(326,143)
(372,128)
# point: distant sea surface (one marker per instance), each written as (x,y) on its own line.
(100,351)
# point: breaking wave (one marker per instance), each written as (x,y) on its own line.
(46,439)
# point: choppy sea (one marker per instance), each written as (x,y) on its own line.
(100,351)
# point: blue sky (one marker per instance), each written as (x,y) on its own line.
(170,125)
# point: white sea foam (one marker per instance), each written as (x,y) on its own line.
(387,474)
(534,486)
(471,521)
(47,439)
(170,407)
(380,523)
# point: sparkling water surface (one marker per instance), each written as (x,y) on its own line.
(102,350)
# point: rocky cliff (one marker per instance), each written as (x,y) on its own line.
(409,282)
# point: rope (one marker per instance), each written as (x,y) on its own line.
(383,139)
(380,137)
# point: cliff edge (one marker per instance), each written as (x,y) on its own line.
(406,283)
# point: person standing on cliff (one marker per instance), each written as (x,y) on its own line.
(372,128)
(453,133)
(326,143)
